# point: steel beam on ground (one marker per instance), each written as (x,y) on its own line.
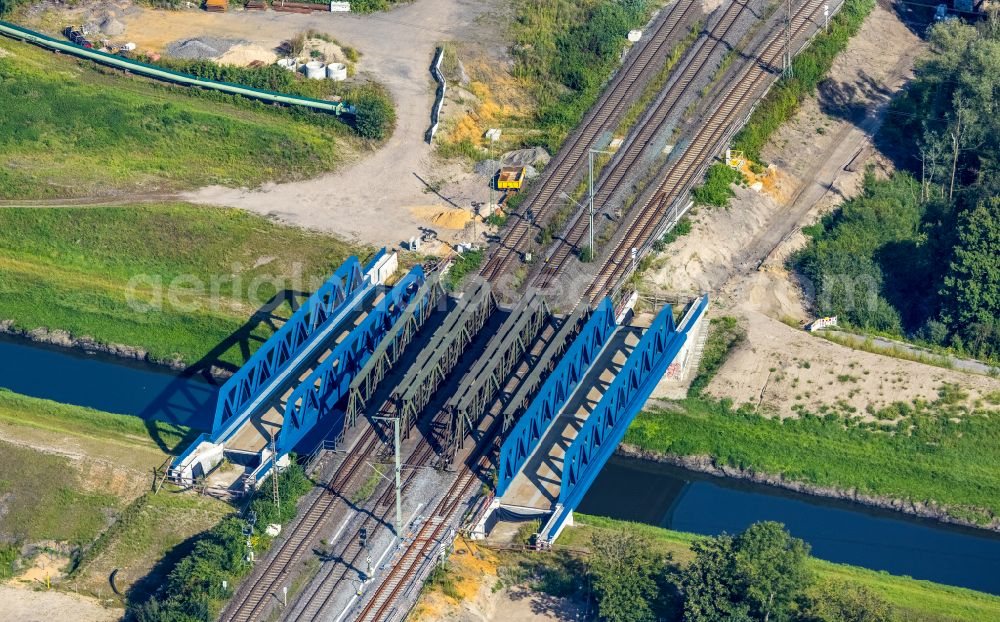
(391,348)
(556,390)
(439,357)
(485,379)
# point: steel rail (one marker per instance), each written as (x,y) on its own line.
(629,158)
(624,88)
(752,76)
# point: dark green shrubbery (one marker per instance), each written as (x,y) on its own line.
(717,187)
(193,590)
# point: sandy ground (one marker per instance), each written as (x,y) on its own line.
(778,367)
(20,604)
(381,197)
(761,228)
(474,571)
(738,254)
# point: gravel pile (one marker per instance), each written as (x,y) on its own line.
(201,47)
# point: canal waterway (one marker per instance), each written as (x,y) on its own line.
(838,531)
(106,382)
(627,489)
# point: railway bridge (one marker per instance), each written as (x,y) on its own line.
(499,412)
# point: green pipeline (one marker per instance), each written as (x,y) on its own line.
(176,77)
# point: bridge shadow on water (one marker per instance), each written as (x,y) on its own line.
(189,400)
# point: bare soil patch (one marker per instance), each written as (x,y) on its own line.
(28,605)
(778,367)
(739,253)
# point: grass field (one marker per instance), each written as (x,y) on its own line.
(72,129)
(70,269)
(915,601)
(69,474)
(43,500)
(147,544)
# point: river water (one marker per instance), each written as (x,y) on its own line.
(838,531)
(106,383)
(626,489)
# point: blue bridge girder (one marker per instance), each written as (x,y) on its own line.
(317,395)
(526,434)
(621,402)
(258,378)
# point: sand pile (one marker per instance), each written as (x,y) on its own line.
(448,218)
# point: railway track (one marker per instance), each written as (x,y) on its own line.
(428,539)
(253,602)
(753,76)
(629,158)
(626,86)
(384,600)
(332,579)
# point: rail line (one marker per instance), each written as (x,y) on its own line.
(383,600)
(753,76)
(624,89)
(320,599)
(254,601)
(629,158)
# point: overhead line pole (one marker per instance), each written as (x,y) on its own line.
(399,470)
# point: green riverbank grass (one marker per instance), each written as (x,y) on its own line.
(915,600)
(932,454)
(70,269)
(68,129)
(44,500)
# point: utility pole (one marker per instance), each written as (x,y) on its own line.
(826,18)
(399,471)
(274,472)
(591,153)
(788,39)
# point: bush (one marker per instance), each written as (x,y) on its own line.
(193,588)
(716,190)
(374,115)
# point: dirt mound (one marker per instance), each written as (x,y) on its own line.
(112,27)
(447,218)
(201,47)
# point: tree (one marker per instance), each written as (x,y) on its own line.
(625,569)
(837,601)
(754,576)
(972,285)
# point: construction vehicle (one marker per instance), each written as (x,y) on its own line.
(510,178)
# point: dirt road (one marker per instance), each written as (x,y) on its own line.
(379,198)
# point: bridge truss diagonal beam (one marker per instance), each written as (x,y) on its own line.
(391,348)
(556,390)
(317,395)
(439,357)
(546,362)
(626,395)
(261,373)
(484,381)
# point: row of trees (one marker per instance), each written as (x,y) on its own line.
(760,575)
(918,254)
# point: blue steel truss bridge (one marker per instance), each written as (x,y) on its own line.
(502,413)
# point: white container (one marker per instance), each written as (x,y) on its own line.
(287,63)
(315,70)
(336,71)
